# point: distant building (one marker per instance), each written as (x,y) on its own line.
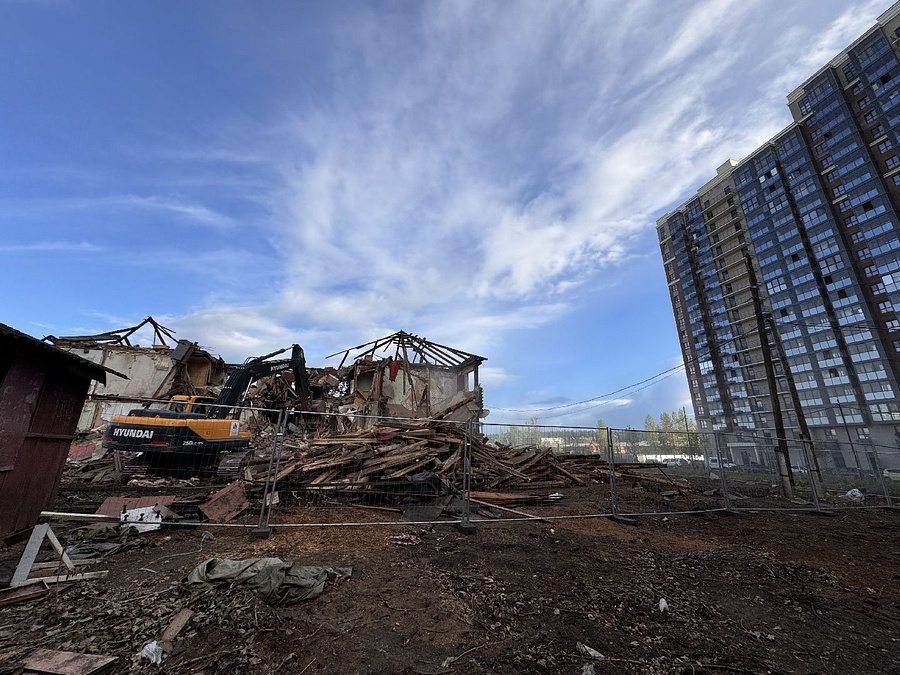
(815,214)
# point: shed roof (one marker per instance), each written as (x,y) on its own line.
(25,345)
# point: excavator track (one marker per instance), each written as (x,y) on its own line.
(231,465)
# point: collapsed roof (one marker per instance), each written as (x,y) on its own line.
(412,349)
(117,337)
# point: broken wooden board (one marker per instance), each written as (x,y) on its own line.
(507,509)
(113,506)
(507,497)
(17,594)
(52,662)
(227,503)
(64,578)
(170,632)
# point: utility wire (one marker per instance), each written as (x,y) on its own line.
(596,398)
(599,403)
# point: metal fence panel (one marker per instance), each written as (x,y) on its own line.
(426,470)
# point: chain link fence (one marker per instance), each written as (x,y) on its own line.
(431,470)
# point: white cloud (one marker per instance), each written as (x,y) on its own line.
(801,52)
(100,206)
(51,247)
(492,377)
(471,168)
(187,210)
(406,198)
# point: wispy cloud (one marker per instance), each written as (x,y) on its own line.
(411,182)
(474,168)
(51,247)
(187,210)
(459,169)
(183,210)
(802,51)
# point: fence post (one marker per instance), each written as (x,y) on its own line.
(812,473)
(262,529)
(465,524)
(613,495)
(876,464)
(721,464)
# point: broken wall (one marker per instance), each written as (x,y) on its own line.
(418,390)
(151,373)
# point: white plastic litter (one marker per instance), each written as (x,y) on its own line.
(143,519)
(854,495)
(587,651)
(663,605)
(153,652)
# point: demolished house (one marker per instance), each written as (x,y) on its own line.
(404,375)
(168,368)
(389,425)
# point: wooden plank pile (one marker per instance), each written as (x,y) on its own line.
(593,466)
(400,448)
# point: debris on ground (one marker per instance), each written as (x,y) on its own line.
(515,597)
(52,662)
(226,504)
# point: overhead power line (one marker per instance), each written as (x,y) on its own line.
(595,398)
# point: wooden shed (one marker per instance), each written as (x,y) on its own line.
(42,392)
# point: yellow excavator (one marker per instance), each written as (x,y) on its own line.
(190,433)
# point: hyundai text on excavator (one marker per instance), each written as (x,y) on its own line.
(173,439)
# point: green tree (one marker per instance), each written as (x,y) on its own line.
(667,440)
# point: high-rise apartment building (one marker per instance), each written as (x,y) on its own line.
(795,251)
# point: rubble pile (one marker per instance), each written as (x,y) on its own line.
(384,454)
(400,448)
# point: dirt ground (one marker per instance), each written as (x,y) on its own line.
(785,592)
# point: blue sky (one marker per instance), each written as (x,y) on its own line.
(484,174)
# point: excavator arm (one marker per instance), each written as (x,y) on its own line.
(254,369)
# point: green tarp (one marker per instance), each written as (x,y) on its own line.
(275,581)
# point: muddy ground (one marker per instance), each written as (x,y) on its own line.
(784,592)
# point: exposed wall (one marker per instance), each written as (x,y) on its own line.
(418,390)
(147,372)
(151,373)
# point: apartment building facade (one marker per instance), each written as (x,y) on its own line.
(795,252)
